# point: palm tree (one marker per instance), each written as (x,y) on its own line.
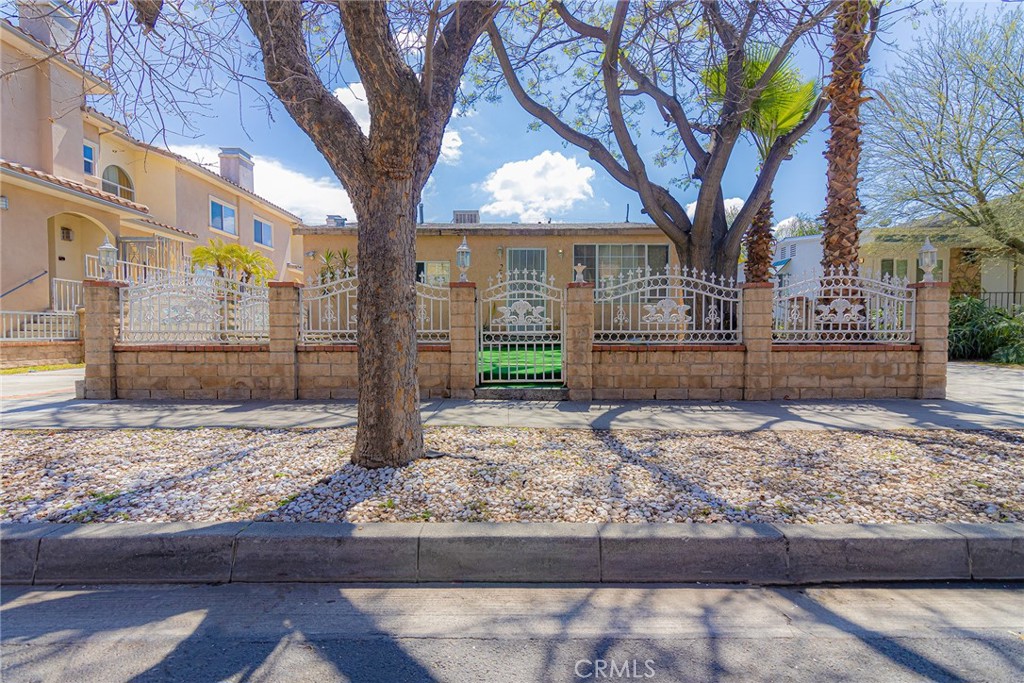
(251,266)
(780,107)
(333,262)
(217,254)
(845,92)
(234,261)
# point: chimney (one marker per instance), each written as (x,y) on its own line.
(51,23)
(466,216)
(236,166)
(335,221)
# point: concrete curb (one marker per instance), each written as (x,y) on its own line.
(263,552)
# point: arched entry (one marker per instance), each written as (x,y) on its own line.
(71,236)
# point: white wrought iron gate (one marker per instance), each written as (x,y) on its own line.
(521,320)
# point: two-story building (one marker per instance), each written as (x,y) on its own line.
(72,178)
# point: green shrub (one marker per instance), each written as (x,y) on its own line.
(978,331)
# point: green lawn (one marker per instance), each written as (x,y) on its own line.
(521,363)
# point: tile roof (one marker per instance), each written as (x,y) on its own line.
(73,185)
(178,157)
(168,227)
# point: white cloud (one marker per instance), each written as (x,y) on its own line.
(732,207)
(306,196)
(354,98)
(536,189)
(451,147)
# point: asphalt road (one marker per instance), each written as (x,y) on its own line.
(296,632)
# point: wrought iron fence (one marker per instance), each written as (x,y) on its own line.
(194,308)
(677,306)
(1008,301)
(842,306)
(37,326)
(330,309)
(521,322)
(66,295)
(133,272)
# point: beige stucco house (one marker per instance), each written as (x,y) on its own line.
(548,250)
(71,177)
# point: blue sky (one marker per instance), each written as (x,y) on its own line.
(493,162)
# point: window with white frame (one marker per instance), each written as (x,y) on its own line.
(116,181)
(89,158)
(434,272)
(605,261)
(531,262)
(894,267)
(262,232)
(222,217)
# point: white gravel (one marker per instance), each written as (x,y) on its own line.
(505,475)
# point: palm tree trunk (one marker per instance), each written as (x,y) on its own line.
(846,94)
(760,243)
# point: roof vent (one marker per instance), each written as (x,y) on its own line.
(466,216)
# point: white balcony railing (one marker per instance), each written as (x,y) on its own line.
(36,326)
(66,295)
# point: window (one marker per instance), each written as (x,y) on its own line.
(434,272)
(89,158)
(894,267)
(222,217)
(116,181)
(531,263)
(262,232)
(605,261)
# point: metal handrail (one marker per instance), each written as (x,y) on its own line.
(26,282)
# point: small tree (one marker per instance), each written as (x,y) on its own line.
(589,72)
(168,55)
(216,254)
(234,261)
(946,133)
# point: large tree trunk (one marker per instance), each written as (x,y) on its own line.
(846,94)
(389,431)
(760,244)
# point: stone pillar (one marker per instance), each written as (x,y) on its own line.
(756,324)
(103,318)
(578,341)
(285,311)
(931,315)
(462,319)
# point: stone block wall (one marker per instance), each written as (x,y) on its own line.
(756,369)
(24,354)
(211,371)
(331,371)
(845,371)
(707,373)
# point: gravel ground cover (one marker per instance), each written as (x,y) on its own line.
(532,475)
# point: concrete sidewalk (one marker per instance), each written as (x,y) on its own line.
(979,397)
